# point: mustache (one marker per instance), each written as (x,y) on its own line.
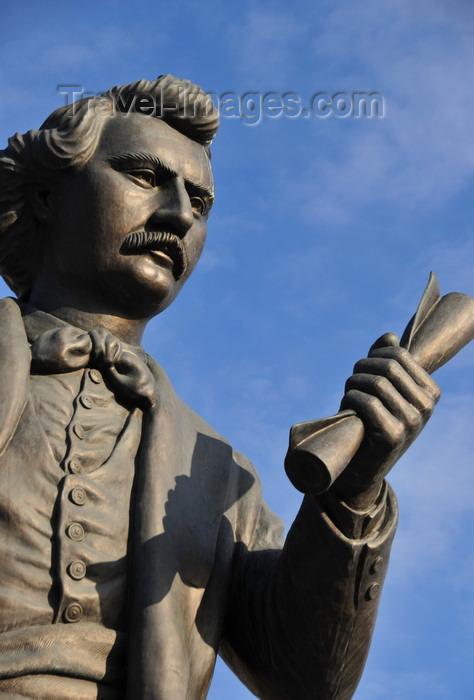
(164,241)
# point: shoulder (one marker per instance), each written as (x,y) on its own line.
(10,311)
(211,454)
(170,401)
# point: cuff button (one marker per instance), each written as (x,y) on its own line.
(372,591)
(377,565)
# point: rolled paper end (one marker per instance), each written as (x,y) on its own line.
(320,450)
(447,328)
(307,472)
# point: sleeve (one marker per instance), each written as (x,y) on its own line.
(300,617)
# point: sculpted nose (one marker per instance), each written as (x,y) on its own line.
(173,208)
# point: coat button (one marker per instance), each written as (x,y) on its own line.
(86,401)
(75,531)
(79,431)
(377,565)
(95,376)
(73,612)
(74,466)
(77,569)
(372,591)
(78,496)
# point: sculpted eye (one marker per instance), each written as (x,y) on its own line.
(144,175)
(198,204)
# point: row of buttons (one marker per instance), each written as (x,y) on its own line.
(374,588)
(87,402)
(94,426)
(80,459)
(77,568)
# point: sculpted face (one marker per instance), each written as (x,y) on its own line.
(125,233)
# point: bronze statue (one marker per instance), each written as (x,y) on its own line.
(135,544)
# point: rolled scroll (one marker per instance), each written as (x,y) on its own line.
(320,450)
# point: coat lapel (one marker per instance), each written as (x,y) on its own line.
(14,369)
(183,473)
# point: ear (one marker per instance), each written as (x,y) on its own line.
(42,203)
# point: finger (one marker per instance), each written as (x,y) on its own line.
(422,397)
(382,389)
(385,340)
(412,367)
(378,421)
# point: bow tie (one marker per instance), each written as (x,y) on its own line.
(66,348)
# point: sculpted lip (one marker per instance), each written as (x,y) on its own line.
(163,246)
(162,257)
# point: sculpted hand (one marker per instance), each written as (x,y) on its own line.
(394,397)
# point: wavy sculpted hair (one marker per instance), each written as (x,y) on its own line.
(65,142)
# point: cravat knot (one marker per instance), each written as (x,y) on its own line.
(66,349)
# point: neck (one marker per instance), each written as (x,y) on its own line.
(128,330)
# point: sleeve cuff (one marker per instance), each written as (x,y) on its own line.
(356,524)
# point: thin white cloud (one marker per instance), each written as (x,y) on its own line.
(422,151)
(404,685)
(265,41)
(457,262)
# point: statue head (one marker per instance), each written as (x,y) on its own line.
(51,158)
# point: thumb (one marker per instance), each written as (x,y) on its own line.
(386,340)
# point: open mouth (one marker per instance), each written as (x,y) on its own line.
(163,246)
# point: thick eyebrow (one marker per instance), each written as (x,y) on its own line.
(127,159)
(133,159)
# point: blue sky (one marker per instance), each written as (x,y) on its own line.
(322,237)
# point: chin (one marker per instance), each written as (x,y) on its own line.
(144,290)
(148,300)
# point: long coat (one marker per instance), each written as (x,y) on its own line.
(209,571)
